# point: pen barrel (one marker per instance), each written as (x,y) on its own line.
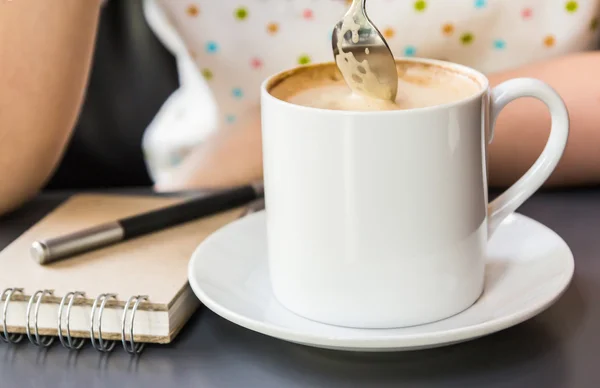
(48,251)
(45,252)
(187,211)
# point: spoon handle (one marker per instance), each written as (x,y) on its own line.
(358,4)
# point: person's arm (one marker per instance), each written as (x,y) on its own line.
(45,54)
(234,157)
(228,157)
(523,126)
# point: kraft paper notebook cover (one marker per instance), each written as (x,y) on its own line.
(154,265)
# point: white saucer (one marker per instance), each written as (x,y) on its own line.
(529,268)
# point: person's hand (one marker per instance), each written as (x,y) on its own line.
(229,157)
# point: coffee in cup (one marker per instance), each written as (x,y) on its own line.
(419,85)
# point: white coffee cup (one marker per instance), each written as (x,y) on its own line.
(381,219)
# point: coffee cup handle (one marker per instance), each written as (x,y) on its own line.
(540,171)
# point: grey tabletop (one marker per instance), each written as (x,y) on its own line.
(558,348)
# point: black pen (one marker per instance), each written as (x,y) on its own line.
(48,251)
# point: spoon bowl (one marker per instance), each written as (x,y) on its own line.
(363,56)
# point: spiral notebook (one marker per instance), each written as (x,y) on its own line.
(153,266)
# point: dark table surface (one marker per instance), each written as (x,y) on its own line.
(559,348)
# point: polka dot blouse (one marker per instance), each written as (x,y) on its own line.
(232,45)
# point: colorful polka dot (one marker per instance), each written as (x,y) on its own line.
(192,10)
(207,74)
(594,24)
(480,3)
(212,47)
(256,63)
(307,14)
(303,59)
(527,13)
(499,44)
(467,38)
(389,32)
(448,29)
(410,51)
(273,28)
(420,5)
(571,6)
(237,93)
(230,118)
(241,13)
(549,41)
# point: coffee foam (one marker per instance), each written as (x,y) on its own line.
(419,85)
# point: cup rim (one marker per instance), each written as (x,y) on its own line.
(475,75)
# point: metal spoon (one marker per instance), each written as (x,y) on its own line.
(363,56)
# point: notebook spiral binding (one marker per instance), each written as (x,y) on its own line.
(69,343)
(101,347)
(66,339)
(6,337)
(134,348)
(37,341)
